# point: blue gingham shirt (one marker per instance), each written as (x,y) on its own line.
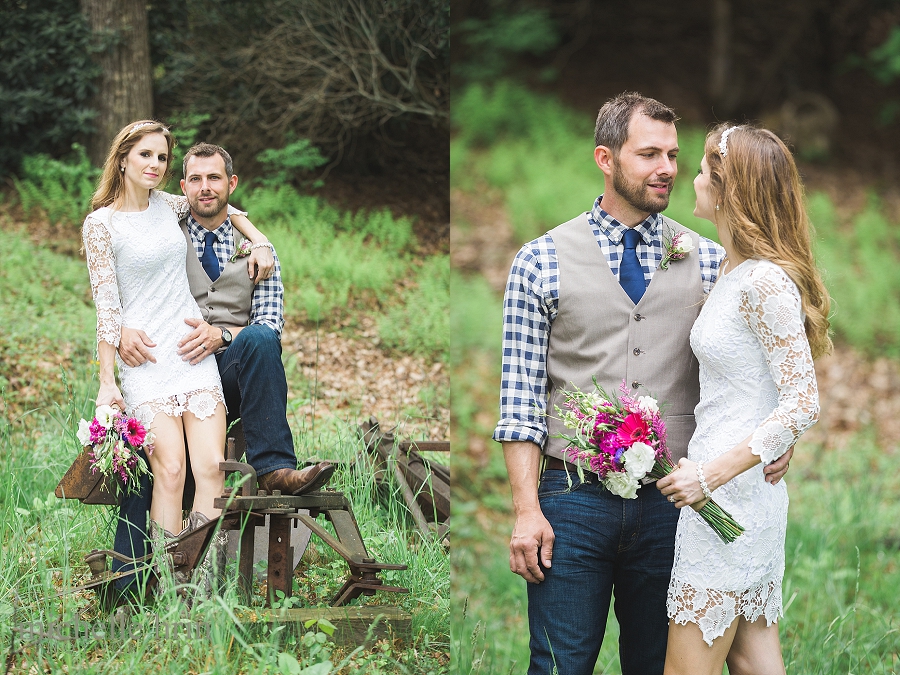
(267,303)
(531,304)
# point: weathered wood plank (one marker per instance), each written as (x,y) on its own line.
(352,624)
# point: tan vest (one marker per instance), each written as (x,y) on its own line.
(598,332)
(225,301)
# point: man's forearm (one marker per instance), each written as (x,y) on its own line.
(523,464)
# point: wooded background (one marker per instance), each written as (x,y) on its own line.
(822,72)
(364,81)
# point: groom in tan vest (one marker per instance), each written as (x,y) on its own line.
(588,299)
(242,328)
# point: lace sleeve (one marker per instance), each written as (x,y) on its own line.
(179,204)
(771,306)
(101,262)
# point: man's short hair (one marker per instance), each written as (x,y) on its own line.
(208,150)
(611,130)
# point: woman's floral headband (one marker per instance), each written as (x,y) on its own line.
(723,142)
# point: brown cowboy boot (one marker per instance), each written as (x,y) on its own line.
(294,482)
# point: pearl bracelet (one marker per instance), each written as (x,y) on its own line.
(703,485)
(262,244)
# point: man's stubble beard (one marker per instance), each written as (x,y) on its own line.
(210,211)
(634,194)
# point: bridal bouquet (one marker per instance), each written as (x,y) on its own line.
(114,440)
(623,440)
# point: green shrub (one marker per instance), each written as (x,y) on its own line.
(420,324)
(492,43)
(60,189)
(48,75)
(186,127)
(284,165)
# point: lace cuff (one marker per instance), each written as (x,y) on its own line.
(104,286)
(770,303)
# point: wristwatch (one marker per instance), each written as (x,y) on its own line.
(226,337)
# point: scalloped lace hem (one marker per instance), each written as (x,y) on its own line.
(714,611)
(200,402)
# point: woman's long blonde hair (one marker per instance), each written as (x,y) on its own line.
(760,197)
(111,183)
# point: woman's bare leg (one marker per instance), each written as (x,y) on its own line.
(688,654)
(756,649)
(206,443)
(168,466)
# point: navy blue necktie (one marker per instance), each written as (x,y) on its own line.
(631,274)
(209,260)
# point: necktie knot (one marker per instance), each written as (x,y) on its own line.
(631,237)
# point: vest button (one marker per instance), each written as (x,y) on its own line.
(635,384)
(638,317)
(636,351)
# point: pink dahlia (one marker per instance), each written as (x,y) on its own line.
(134,433)
(632,430)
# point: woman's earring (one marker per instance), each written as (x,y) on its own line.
(717,206)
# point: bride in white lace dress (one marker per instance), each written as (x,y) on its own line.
(136,258)
(755,339)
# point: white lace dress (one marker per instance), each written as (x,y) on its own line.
(136,262)
(756,377)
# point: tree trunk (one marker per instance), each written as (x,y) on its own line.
(125,90)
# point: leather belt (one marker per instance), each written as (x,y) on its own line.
(556,464)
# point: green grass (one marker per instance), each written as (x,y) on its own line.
(419,322)
(48,382)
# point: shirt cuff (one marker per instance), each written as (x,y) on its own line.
(515,430)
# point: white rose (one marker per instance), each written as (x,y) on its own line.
(639,459)
(684,243)
(105,414)
(84,432)
(620,483)
(648,404)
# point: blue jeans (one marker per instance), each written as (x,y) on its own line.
(255,389)
(603,542)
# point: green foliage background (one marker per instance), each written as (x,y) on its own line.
(533,155)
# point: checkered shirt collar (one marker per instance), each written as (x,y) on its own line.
(199,232)
(614,230)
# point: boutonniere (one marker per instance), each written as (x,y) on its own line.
(678,245)
(242,251)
